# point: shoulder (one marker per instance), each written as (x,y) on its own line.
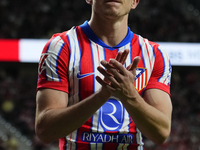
(157,48)
(143,40)
(59,40)
(66,34)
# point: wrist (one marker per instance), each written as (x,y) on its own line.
(132,96)
(103,94)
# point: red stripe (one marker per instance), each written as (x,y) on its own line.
(86,66)
(87,83)
(98,58)
(110,54)
(132,130)
(98,54)
(9,50)
(62,144)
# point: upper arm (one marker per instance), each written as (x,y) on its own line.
(160,100)
(50,99)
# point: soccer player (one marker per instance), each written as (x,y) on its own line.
(101,86)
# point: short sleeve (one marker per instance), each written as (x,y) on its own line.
(161,74)
(53,65)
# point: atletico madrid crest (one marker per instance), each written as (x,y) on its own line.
(141,78)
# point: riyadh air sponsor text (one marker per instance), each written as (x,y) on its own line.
(106,138)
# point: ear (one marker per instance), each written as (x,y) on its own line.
(134,4)
(89,1)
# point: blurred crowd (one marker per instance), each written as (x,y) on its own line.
(161,20)
(17,105)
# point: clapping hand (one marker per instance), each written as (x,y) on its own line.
(119,81)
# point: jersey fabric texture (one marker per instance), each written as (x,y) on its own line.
(69,63)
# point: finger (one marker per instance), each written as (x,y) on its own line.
(106,64)
(109,78)
(111,89)
(124,56)
(117,65)
(116,75)
(100,81)
(103,71)
(113,71)
(105,85)
(118,57)
(129,67)
(121,56)
(135,63)
(108,86)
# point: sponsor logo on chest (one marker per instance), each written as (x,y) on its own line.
(107,138)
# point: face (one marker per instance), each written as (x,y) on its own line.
(112,8)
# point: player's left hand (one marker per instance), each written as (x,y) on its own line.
(121,79)
(120,58)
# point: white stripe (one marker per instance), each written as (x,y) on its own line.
(144,79)
(164,78)
(72,71)
(136,84)
(96,84)
(92,145)
(51,60)
(95,146)
(144,52)
(125,127)
(73,67)
(101,57)
(140,84)
(139,139)
(129,59)
(123,146)
(71,140)
(97,52)
(145,55)
(151,54)
(99,146)
(96,56)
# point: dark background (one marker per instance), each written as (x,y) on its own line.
(163,20)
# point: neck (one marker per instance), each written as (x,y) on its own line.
(110,31)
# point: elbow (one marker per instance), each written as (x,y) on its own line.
(162,137)
(161,140)
(43,134)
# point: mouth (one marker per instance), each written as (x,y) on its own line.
(113,1)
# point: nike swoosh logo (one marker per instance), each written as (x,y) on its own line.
(81,76)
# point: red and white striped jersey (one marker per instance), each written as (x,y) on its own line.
(69,63)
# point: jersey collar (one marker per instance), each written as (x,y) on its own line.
(92,36)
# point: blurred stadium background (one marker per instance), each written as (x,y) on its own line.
(26,25)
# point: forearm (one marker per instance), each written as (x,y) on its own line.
(153,123)
(56,123)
